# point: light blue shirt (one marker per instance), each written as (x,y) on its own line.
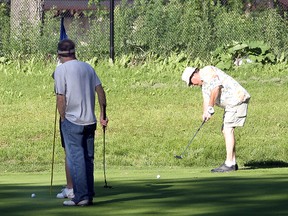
(77,81)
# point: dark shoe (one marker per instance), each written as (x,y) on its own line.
(224,168)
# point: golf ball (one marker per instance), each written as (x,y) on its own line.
(33,195)
(158,176)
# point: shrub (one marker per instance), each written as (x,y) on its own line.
(238,53)
(4,28)
(154,27)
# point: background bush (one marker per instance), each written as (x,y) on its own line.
(160,27)
(4,29)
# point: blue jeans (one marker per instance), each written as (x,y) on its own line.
(79,147)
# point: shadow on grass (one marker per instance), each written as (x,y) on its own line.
(265,164)
(216,195)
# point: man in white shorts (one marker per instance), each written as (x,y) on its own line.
(222,90)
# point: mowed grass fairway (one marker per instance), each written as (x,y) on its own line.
(152,116)
(179,191)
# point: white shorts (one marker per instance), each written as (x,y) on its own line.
(235,116)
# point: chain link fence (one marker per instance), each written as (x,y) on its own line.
(161,27)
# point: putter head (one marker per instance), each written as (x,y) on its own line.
(106,186)
(178,157)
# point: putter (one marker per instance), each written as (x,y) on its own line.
(53,151)
(104,158)
(181,156)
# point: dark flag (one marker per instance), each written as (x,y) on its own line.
(63,34)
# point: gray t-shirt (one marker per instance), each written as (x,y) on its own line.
(77,81)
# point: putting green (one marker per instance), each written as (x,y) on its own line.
(178,191)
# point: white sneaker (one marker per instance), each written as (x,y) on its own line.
(81,203)
(66,193)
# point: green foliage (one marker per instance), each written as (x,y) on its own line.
(273,29)
(4,28)
(33,39)
(236,5)
(196,28)
(160,28)
(124,28)
(239,53)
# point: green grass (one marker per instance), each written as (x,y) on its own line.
(152,116)
(179,191)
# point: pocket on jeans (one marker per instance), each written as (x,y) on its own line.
(63,123)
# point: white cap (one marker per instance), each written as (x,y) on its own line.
(187,74)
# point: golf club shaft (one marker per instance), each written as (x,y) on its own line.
(193,137)
(53,151)
(104,148)
(104,158)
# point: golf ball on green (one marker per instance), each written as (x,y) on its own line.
(158,176)
(33,195)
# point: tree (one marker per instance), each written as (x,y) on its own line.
(28,11)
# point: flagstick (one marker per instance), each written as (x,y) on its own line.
(63,35)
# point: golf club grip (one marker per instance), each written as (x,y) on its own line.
(104,114)
(104,117)
(203,122)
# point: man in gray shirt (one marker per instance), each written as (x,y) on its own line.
(75,85)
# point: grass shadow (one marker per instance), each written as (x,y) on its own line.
(219,195)
(265,164)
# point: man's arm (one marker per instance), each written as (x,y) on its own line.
(214,95)
(61,105)
(102,104)
(208,109)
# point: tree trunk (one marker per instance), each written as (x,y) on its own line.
(25,12)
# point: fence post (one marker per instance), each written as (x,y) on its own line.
(112,52)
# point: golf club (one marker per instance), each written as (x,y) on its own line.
(53,151)
(104,152)
(181,156)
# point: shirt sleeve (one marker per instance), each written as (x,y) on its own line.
(59,80)
(96,80)
(210,81)
(210,78)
